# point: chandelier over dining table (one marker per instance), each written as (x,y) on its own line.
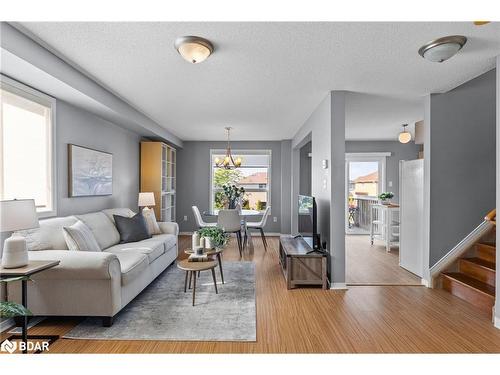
(228,162)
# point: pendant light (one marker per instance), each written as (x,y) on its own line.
(228,162)
(405,135)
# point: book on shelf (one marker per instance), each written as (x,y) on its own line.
(198,258)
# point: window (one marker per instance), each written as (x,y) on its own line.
(27,146)
(254,175)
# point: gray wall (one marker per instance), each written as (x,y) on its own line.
(83,128)
(399,152)
(462,162)
(193,179)
(305,169)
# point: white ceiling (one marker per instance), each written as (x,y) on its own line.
(265,79)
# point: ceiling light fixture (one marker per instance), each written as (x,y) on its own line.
(228,162)
(194,48)
(442,49)
(405,135)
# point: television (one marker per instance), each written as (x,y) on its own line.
(307,220)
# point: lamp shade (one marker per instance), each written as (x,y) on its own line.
(18,214)
(146,199)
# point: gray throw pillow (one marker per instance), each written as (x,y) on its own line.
(131,229)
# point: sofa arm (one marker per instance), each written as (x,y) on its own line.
(169,228)
(78,265)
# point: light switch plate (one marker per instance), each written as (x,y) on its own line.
(185,218)
(275,219)
(389,184)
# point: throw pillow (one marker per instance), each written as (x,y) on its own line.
(79,237)
(152,224)
(131,229)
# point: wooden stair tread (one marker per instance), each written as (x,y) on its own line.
(471,282)
(481,262)
(491,245)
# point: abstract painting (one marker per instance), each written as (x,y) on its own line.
(90,172)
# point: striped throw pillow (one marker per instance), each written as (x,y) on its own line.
(151,223)
(79,237)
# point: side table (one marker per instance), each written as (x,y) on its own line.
(33,267)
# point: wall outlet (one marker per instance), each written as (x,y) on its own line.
(185,218)
(275,219)
(389,184)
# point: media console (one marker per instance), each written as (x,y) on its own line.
(300,266)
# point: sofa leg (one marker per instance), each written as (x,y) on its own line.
(107,321)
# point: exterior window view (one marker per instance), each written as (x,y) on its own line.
(183,179)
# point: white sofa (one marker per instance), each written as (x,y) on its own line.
(93,283)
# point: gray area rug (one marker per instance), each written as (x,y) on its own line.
(164,312)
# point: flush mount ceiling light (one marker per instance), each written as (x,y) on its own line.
(442,49)
(405,135)
(193,48)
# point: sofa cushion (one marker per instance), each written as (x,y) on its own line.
(102,228)
(49,236)
(79,237)
(131,265)
(152,248)
(126,212)
(132,229)
(169,240)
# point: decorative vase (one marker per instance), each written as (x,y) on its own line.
(208,243)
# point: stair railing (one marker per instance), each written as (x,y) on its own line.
(461,248)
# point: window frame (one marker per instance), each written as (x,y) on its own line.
(29,93)
(242,152)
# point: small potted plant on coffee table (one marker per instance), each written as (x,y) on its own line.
(216,237)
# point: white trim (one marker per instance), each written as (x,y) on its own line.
(338,286)
(425,283)
(459,249)
(496,322)
(29,93)
(267,152)
(380,157)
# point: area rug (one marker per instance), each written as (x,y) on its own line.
(164,312)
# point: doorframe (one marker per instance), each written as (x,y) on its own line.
(380,157)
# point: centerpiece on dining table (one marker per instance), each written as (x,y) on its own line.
(232,195)
(206,239)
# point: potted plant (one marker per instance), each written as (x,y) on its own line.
(386,197)
(232,194)
(216,235)
(13,309)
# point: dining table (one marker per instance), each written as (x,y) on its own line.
(244,215)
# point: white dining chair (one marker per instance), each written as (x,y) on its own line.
(199,219)
(260,226)
(230,222)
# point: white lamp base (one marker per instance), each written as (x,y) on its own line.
(15,252)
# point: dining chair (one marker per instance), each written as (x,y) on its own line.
(230,222)
(199,219)
(260,225)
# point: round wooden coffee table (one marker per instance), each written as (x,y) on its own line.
(217,253)
(192,268)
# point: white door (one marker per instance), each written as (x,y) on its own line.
(411,196)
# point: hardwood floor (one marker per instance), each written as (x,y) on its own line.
(369,319)
(367,264)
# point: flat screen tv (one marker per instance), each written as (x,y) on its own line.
(308,220)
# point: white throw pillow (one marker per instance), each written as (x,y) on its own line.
(151,223)
(79,237)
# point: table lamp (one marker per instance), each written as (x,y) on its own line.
(16,215)
(146,199)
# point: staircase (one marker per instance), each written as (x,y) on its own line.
(472,277)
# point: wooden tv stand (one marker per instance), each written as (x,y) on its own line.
(300,268)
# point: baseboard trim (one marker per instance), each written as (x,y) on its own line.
(338,286)
(425,283)
(496,322)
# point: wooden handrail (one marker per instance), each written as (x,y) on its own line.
(492,216)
